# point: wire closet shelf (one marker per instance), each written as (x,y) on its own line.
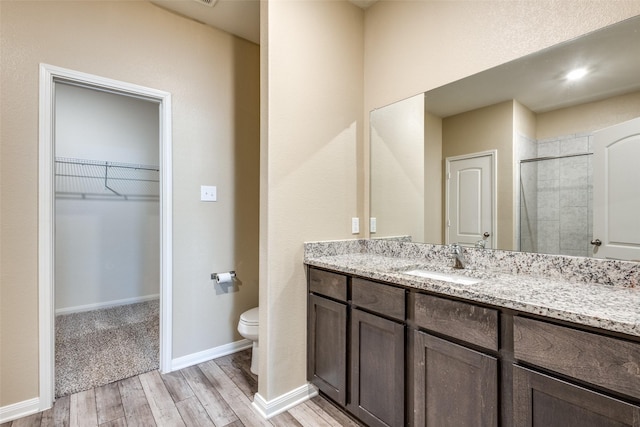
(81,178)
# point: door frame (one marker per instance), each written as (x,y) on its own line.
(493,154)
(50,74)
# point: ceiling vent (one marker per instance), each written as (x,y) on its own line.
(209,3)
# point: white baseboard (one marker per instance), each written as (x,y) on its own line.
(212,353)
(107,304)
(283,402)
(19,410)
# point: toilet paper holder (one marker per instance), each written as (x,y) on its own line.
(216,276)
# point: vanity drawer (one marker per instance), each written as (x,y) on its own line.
(604,361)
(383,299)
(329,284)
(463,321)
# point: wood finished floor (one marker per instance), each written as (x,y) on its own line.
(214,393)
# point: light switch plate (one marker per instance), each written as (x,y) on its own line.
(208,193)
(355,225)
(373,225)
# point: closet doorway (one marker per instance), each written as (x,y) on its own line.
(105,149)
(107,237)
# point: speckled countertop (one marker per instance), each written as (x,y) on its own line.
(597,293)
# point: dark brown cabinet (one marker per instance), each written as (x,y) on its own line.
(394,356)
(465,322)
(377,369)
(543,401)
(356,348)
(607,362)
(327,347)
(453,385)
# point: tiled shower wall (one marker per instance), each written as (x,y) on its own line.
(556,197)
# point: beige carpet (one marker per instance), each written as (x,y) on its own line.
(99,347)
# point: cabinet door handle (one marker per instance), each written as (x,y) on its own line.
(486,234)
(596,242)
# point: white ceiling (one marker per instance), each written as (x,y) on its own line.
(238,17)
(612,56)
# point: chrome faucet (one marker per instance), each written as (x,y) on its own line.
(457,253)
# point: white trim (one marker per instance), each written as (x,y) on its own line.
(283,402)
(45,240)
(19,410)
(494,187)
(212,353)
(494,179)
(49,74)
(166,243)
(106,304)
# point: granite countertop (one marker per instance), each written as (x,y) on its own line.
(612,308)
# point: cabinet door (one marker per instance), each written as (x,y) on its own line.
(377,370)
(454,386)
(541,400)
(327,347)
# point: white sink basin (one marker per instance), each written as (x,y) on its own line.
(451,278)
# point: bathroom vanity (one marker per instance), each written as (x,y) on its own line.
(510,348)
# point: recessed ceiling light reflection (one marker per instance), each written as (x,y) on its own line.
(576,74)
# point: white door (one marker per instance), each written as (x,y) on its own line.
(470,199)
(616,195)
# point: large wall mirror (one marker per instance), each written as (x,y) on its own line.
(524,156)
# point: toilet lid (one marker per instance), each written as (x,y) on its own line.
(250,317)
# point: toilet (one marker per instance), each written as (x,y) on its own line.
(248,328)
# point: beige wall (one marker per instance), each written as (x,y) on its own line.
(588,117)
(433,166)
(484,129)
(398,169)
(214,81)
(312,127)
(524,121)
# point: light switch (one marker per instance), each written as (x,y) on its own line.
(355,225)
(208,193)
(373,225)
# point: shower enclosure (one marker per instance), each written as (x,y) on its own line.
(556,199)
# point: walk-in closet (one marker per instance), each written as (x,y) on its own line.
(107,237)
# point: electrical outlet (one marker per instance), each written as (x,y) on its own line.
(355,225)
(208,193)
(372,225)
